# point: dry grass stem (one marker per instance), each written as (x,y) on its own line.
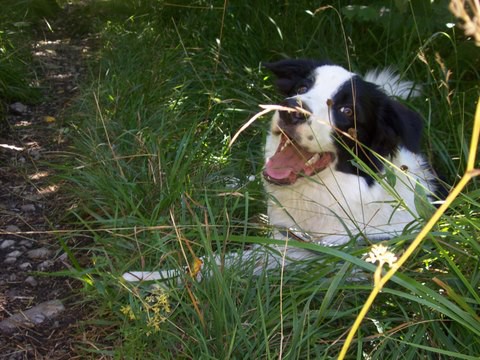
(469,14)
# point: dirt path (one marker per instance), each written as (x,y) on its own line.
(38,314)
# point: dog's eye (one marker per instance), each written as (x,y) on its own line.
(302,90)
(347,111)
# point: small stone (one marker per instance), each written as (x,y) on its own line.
(27,207)
(38,318)
(45,265)
(30,280)
(25,266)
(18,108)
(12,229)
(26,243)
(9,260)
(14,254)
(6,244)
(40,253)
(24,319)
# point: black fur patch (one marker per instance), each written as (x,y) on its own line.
(293,73)
(381,125)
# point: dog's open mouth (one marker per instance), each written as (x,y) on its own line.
(291,161)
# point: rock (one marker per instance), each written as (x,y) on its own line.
(12,228)
(40,253)
(31,281)
(47,264)
(38,318)
(14,254)
(18,108)
(6,244)
(9,260)
(25,266)
(26,243)
(28,208)
(29,318)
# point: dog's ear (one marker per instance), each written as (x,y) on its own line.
(407,125)
(396,126)
(291,72)
(290,68)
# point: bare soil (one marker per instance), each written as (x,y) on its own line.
(33,205)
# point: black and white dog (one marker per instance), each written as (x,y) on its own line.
(342,161)
(328,163)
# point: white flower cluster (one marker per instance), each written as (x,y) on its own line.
(380,253)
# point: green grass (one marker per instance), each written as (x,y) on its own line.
(155,181)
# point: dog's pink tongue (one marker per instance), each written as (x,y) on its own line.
(287,163)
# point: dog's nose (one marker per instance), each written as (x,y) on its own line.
(294,117)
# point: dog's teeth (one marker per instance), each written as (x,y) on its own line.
(313,160)
(288,142)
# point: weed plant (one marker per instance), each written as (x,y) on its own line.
(157,185)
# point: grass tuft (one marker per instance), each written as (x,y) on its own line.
(158,186)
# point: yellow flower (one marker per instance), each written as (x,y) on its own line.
(158,300)
(156,305)
(127,311)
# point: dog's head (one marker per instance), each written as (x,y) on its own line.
(335,118)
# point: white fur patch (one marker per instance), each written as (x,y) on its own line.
(388,80)
(333,206)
